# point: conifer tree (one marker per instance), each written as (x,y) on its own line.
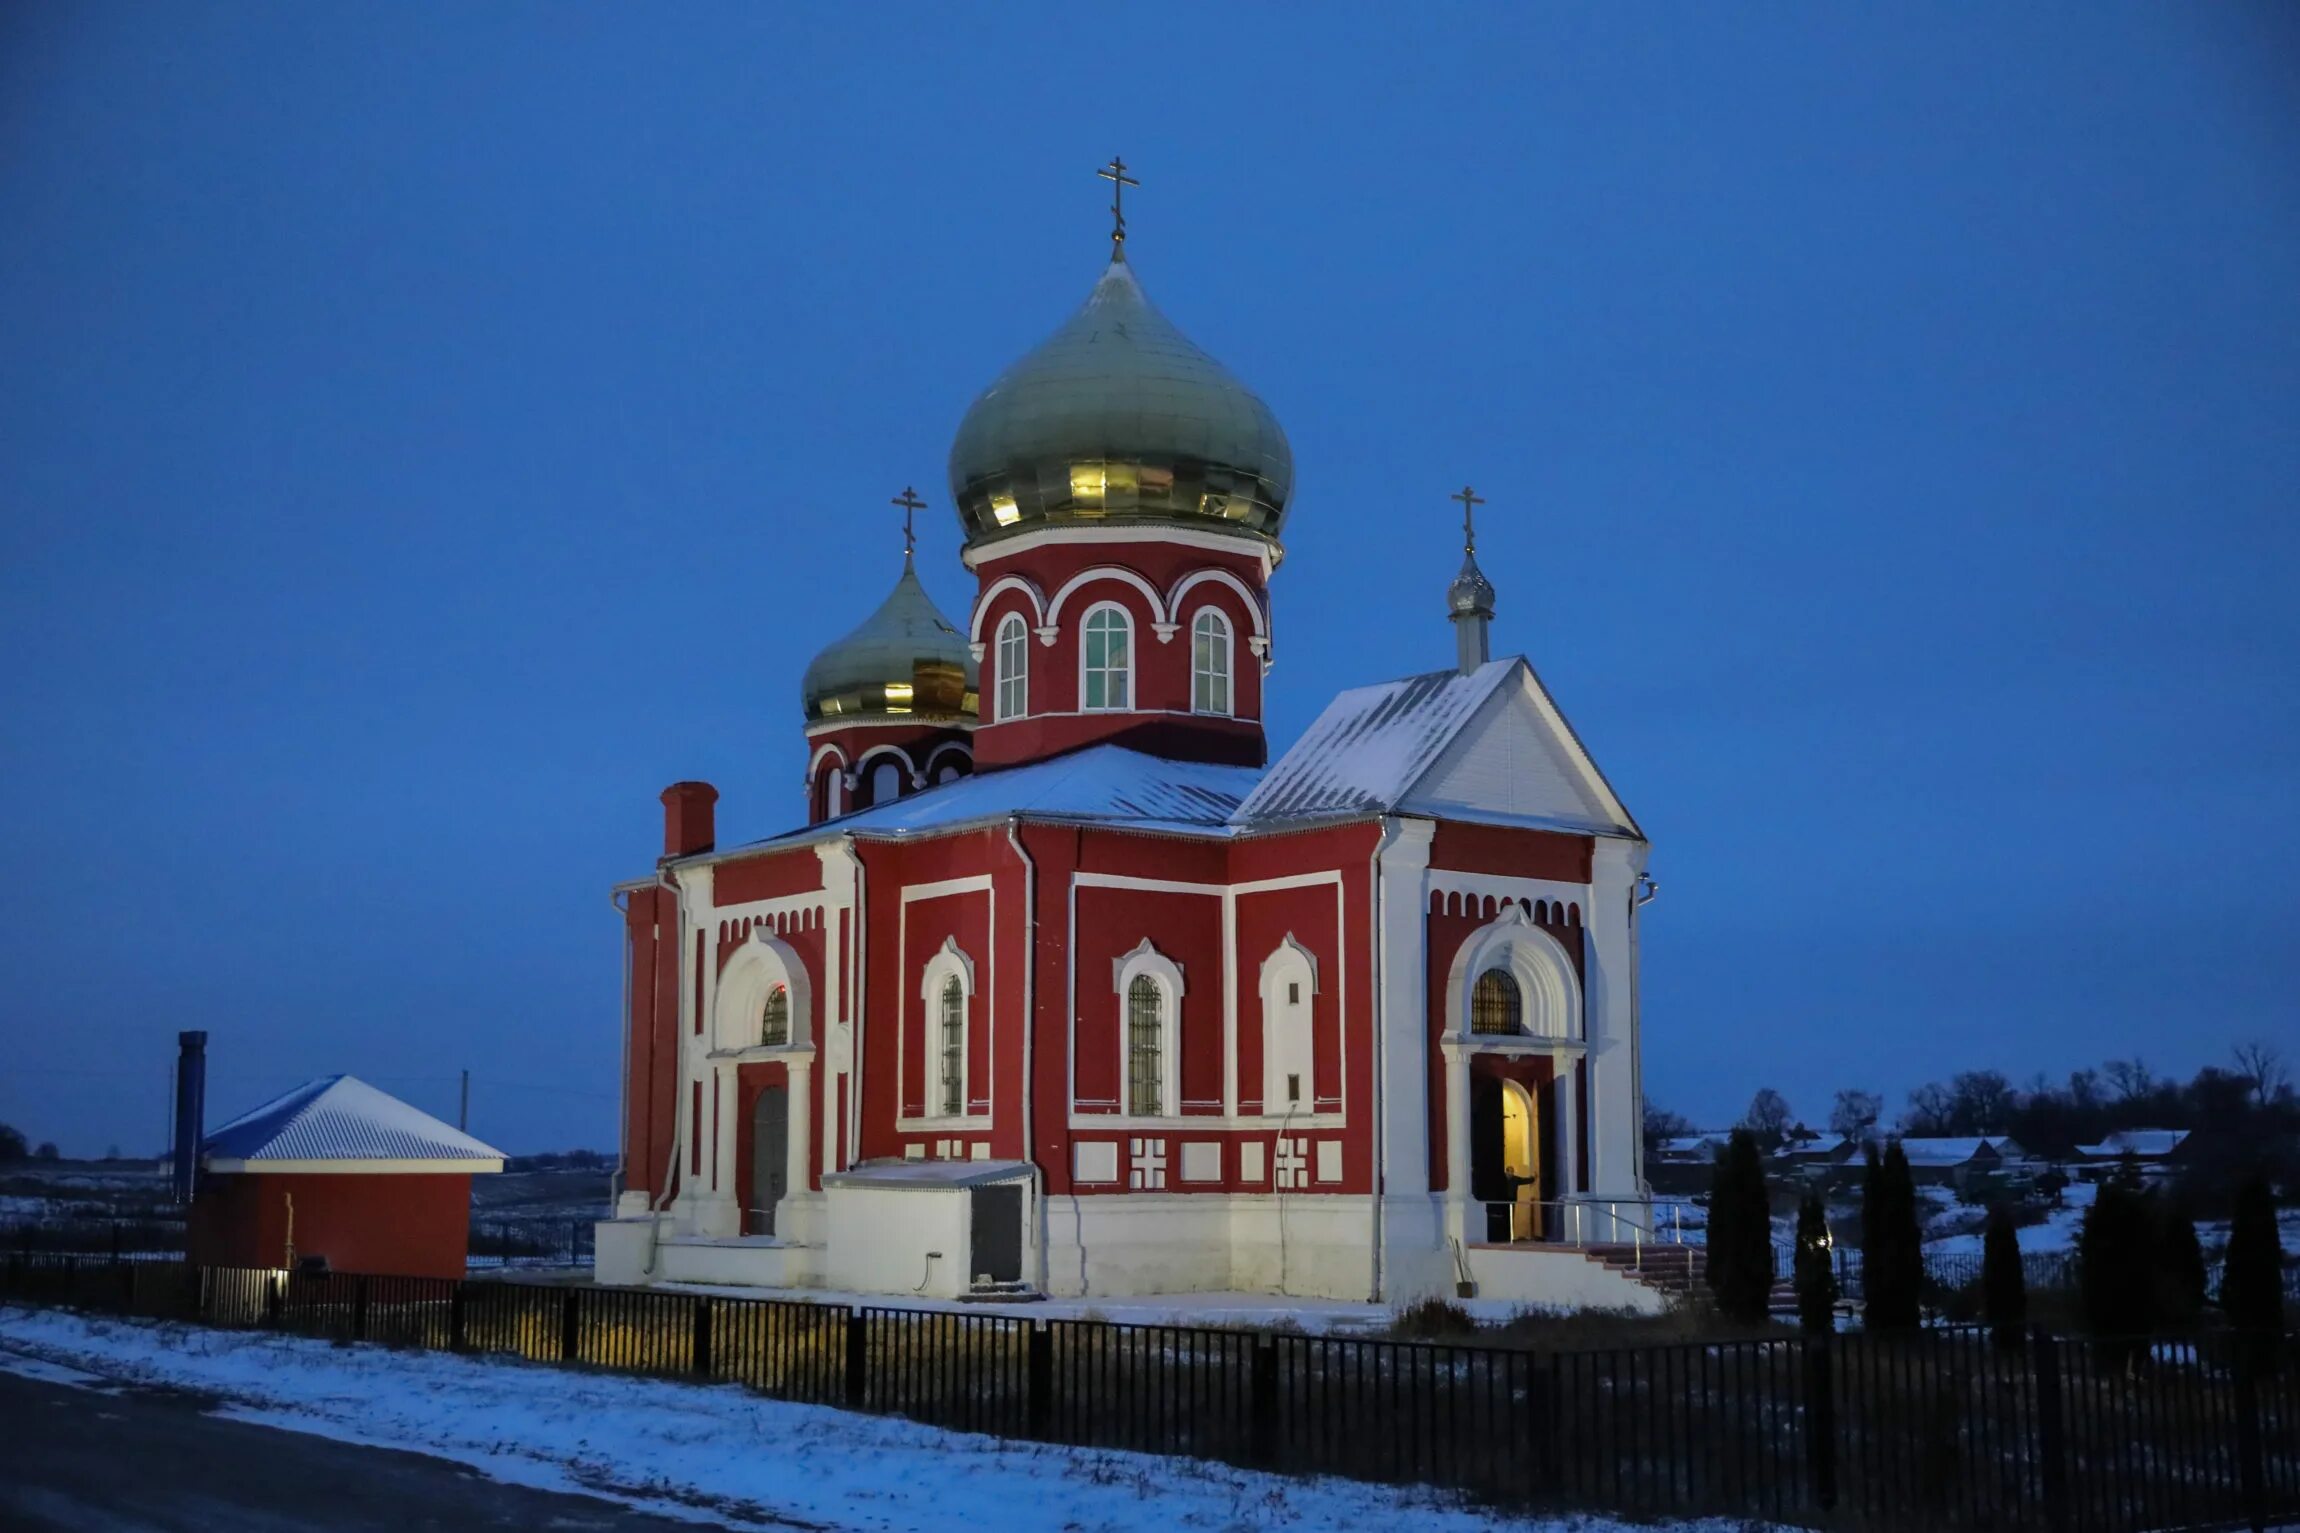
(1892,1247)
(2180,1277)
(2004,1287)
(2252,1285)
(1741,1232)
(1816,1272)
(2116,1268)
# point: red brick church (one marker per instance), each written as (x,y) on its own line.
(1065,986)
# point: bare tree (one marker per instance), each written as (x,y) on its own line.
(1855,1113)
(2130,1077)
(1931,1110)
(2262,1063)
(1661,1125)
(1984,1101)
(1768,1116)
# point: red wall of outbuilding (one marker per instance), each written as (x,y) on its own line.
(410,1225)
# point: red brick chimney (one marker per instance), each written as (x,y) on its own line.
(687,818)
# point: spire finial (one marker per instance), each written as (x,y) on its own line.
(1115,174)
(1470,500)
(911,506)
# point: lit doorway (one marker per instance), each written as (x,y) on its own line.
(1521,1160)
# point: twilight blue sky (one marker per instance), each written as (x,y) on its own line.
(426,430)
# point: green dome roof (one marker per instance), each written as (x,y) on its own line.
(905,661)
(1118,418)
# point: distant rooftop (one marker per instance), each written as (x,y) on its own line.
(340,1118)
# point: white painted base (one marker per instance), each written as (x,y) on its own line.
(633,1253)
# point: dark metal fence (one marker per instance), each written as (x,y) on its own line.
(1943,1429)
(527,1242)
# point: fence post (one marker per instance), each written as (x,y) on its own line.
(1262,1402)
(1821,1420)
(570,1324)
(275,1301)
(1041,1374)
(359,1308)
(702,1349)
(2051,1430)
(2251,1471)
(456,1341)
(858,1359)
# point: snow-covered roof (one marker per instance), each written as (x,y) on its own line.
(1489,745)
(1955,1151)
(1693,1144)
(1822,1145)
(2147,1143)
(340,1118)
(927,1175)
(1102,782)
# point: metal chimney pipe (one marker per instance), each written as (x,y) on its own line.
(191,1110)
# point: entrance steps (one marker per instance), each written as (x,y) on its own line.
(1678,1272)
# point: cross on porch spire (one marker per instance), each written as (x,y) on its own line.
(1470,500)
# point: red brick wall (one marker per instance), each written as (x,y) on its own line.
(413,1225)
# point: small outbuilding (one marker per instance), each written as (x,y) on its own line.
(339,1171)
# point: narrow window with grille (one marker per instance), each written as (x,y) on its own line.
(1145,1047)
(1495,1006)
(953,1093)
(775,1018)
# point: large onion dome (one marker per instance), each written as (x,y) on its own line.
(905,661)
(1117,418)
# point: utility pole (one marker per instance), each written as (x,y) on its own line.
(463,1111)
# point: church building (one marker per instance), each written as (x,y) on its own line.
(1065,987)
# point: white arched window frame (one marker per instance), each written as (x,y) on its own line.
(950,966)
(1289,1038)
(759,967)
(835,794)
(1210,667)
(1013,668)
(1106,659)
(1149,989)
(1549,991)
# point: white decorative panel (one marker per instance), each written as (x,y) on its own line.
(1251,1158)
(914,1151)
(1202,1162)
(1293,1162)
(1095,1161)
(1329,1160)
(1148,1171)
(981,1151)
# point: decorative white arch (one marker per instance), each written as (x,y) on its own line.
(998,588)
(956,748)
(1183,587)
(830,748)
(1133,661)
(859,773)
(756,967)
(1289,1049)
(1158,614)
(1541,967)
(948,962)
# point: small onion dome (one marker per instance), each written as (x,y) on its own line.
(1471,593)
(906,660)
(1116,418)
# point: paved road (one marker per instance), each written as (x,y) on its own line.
(152,1461)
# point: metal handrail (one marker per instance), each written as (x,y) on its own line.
(1572,1219)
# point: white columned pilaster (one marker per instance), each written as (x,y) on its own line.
(1611,1020)
(802,1069)
(1415,1260)
(1457,1146)
(1576,1178)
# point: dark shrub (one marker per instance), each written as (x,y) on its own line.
(2252,1286)
(2004,1287)
(1892,1247)
(1816,1269)
(2116,1259)
(1741,1232)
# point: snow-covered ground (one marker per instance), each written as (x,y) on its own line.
(714,1452)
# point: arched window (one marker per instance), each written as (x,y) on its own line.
(834,791)
(950,1095)
(1210,663)
(775,1017)
(1013,667)
(1289,1049)
(1145,1048)
(1496,1005)
(1104,661)
(885,782)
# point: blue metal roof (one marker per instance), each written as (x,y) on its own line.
(340,1117)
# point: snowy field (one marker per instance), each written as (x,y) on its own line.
(714,1453)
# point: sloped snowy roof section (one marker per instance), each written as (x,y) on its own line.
(1103,783)
(1371,745)
(338,1118)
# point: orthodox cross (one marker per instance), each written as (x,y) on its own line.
(1470,500)
(1115,174)
(911,506)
